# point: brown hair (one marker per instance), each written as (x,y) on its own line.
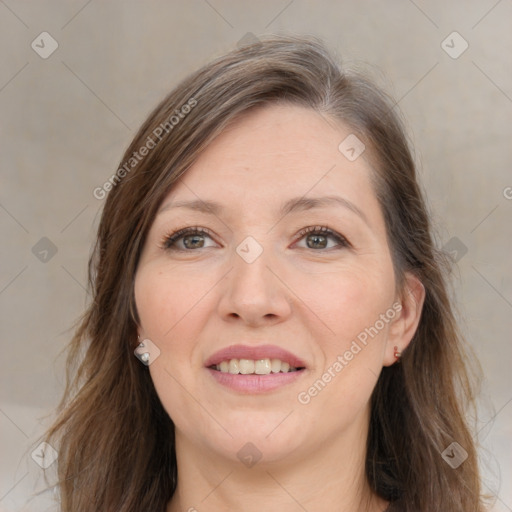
(116,442)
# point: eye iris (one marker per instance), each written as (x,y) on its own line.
(195,240)
(316,239)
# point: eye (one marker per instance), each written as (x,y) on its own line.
(191,238)
(188,239)
(317,237)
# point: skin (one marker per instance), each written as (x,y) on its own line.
(313,301)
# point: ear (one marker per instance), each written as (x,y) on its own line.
(405,323)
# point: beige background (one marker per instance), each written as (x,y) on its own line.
(66,120)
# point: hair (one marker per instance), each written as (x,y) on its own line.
(114,438)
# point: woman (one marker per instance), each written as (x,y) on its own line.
(270,328)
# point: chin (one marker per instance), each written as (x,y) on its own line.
(260,435)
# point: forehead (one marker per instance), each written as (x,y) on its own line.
(272,154)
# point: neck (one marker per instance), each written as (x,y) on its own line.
(332,477)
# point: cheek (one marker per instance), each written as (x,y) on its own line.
(169,308)
(170,312)
(167,302)
(347,301)
(352,304)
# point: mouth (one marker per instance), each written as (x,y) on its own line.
(255,359)
(254,369)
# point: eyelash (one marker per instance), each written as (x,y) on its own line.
(170,239)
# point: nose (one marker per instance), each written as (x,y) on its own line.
(253,292)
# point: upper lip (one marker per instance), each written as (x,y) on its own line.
(254,352)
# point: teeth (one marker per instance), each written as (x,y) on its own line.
(251,367)
(233,366)
(246,366)
(275,365)
(262,367)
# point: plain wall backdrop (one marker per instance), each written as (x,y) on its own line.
(67,115)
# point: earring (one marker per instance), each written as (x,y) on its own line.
(397,354)
(144,356)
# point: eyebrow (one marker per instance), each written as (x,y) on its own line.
(295,204)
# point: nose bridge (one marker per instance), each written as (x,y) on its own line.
(253,291)
(250,264)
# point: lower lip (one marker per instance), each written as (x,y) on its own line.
(255,383)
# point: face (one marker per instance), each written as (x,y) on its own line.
(270,277)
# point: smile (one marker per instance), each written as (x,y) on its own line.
(254,369)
